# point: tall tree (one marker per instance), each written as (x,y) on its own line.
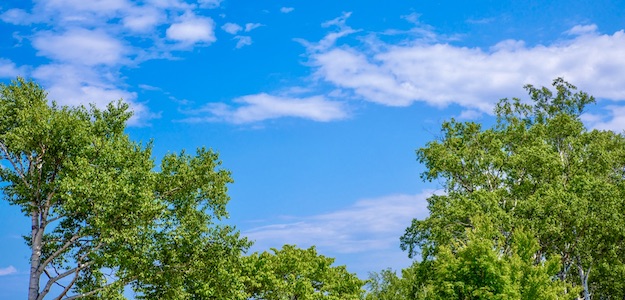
(101,218)
(538,168)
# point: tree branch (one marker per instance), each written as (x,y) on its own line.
(68,287)
(56,253)
(46,289)
(87,294)
(18,170)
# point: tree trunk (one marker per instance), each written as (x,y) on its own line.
(36,237)
(584,278)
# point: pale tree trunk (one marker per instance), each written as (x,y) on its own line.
(583,276)
(35,257)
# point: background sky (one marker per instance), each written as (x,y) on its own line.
(316,107)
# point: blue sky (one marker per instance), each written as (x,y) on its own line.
(316,107)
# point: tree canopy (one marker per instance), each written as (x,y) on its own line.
(538,172)
(102,218)
(292,273)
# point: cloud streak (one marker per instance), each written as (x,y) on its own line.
(260,107)
(370,225)
(8,271)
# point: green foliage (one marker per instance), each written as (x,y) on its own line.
(538,168)
(485,266)
(102,218)
(292,273)
(386,285)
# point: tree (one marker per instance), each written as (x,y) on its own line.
(485,266)
(538,168)
(386,285)
(102,218)
(298,274)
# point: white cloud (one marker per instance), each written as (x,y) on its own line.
(71,13)
(94,6)
(87,43)
(173,4)
(80,46)
(260,107)
(582,29)
(209,3)
(192,29)
(251,26)
(412,18)
(368,225)
(143,19)
(614,120)
(148,87)
(76,85)
(441,74)
(330,39)
(243,41)
(481,20)
(8,271)
(231,28)
(16,16)
(79,85)
(286,10)
(8,69)
(470,114)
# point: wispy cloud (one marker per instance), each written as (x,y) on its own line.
(210,3)
(426,69)
(8,69)
(8,271)
(329,41)
(192,29)
(613,119)
(87,43)
(143,19)
(370,225)
(80,46)
(16,16)
(242,41)
(251,26)
(286,10)
(481,21)
(260,107)
(234,29)
(231,28)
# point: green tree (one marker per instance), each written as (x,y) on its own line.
(486,266)
(101,218)
(538,168)
(386,285)
(292,273)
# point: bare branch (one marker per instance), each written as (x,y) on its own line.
(52,281)
(18,169)
(56,253)
(68,287)
(50,277)
(87,294)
